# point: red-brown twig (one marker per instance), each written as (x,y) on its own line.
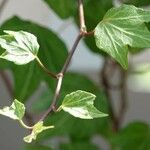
(123,96)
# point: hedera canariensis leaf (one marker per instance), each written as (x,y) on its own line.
(80,104)
(16,111)
(21,47)
(37,128)
(122,27)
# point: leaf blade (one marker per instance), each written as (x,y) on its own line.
(80,104)
(21,47)
(134,136)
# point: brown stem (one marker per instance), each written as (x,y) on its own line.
(123,95)
(68,60)
(105,82)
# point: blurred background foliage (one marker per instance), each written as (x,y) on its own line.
(76,134)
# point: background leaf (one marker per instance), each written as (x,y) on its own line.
(139,78)
(134,136)
(63,8)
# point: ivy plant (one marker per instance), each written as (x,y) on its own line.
(35,54)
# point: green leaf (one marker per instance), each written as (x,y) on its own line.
(16,111)
(135,136)
(122,27)
(63,8)
(80,104)
(21,47)
(37,128)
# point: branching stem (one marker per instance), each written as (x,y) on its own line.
(60,75)
(106,85)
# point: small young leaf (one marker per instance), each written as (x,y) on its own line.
(122,27)
(21,47)
(80,104)
(16,111)
(37,128)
